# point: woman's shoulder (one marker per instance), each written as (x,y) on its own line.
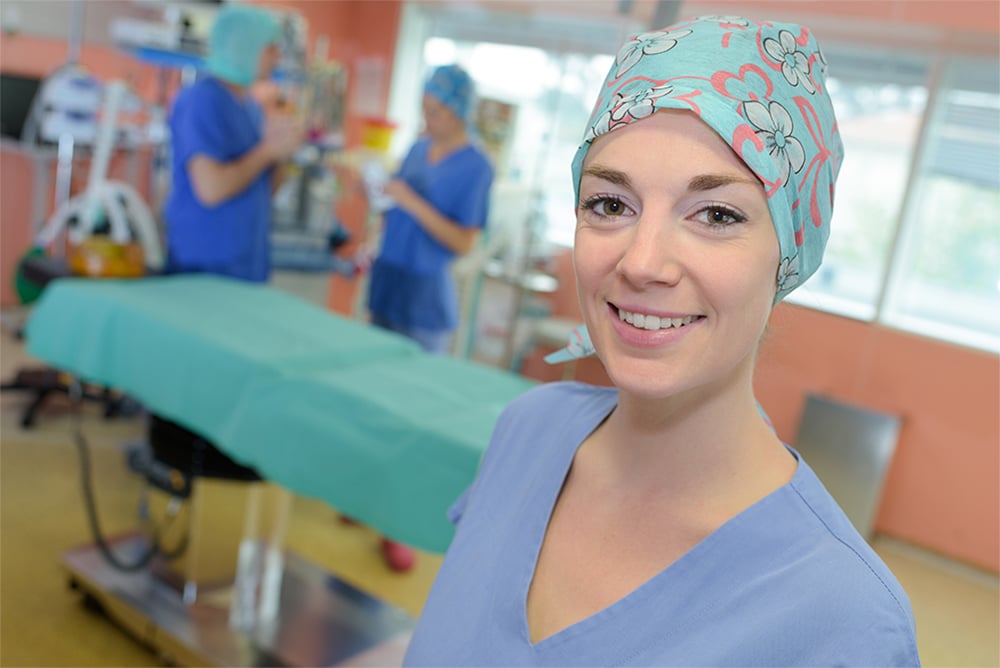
(475,153)
(206,92)
(563,398)
(791,562)
(558,415)
(840,577)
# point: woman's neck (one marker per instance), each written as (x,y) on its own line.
(444,146)
(713,445)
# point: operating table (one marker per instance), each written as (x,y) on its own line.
(324,406)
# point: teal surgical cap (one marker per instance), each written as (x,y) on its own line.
(452,86)
(239,34)
(760,86)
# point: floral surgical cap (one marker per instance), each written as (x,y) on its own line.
(239,34)
(760,86)
(452,86)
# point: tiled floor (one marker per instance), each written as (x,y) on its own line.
(42,623)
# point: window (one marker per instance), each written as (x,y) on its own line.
(946,275)
(915,240)
(879,100)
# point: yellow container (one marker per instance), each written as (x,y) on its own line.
(376,134)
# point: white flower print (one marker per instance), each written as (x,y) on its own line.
(642,103)
(788,273)
(626,109)
(646,43)
(794,64)
(774,125)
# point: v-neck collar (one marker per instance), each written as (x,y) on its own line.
(676,570)
(445,157)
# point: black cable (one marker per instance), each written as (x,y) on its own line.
(91,506)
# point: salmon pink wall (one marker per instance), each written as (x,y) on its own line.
(358,31)
(977,16)
(16,182)
(31,55)
(942,491)
(968,26)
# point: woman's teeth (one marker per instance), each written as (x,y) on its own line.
(653,322)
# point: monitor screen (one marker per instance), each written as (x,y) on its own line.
(16,95)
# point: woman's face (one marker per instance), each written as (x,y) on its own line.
(269,57)
(675,257)
(440,121)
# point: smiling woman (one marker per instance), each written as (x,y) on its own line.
(662,521)
(664,205)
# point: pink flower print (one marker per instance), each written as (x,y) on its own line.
(643,44)
(788,273)
(794,64)
(774,126)
(750,83)
(579,344)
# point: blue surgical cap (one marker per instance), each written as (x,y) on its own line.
(452,86)
(239,34)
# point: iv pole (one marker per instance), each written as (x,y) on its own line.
(64,161)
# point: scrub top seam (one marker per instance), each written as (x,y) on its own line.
(857,554)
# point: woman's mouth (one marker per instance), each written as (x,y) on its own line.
(653,323)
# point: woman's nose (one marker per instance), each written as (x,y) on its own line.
(652,254)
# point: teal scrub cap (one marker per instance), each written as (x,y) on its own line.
(452,86)
(239,34)
(760,86)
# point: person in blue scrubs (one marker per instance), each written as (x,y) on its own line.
(440,201)
(661,522)
(441,196)
(218,213)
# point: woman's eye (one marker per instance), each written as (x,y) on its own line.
(612,207)
(606,206)
(721,215)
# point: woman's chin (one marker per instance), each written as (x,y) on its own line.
(642,379)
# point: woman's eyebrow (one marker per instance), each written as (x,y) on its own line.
(712,181)
(696,184)
(614,176)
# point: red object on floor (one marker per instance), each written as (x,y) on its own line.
(399,557)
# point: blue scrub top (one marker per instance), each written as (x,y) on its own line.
(787,582)
(232,238)
(411,284)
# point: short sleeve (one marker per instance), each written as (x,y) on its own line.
(476,205)
(205,121)
(457,509)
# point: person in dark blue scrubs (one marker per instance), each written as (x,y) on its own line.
(218,213)
(441,195)
(441,199)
